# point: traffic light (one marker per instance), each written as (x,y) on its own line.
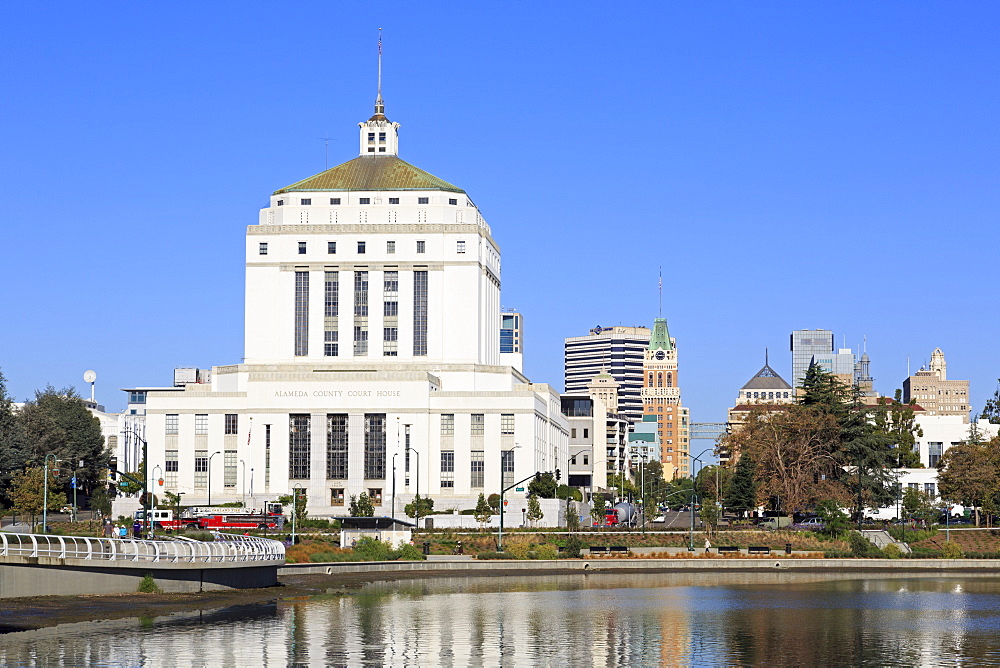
(113,468)
(558,474)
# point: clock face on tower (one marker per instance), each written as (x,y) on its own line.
(660,355)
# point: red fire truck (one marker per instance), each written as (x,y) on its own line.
(217,518)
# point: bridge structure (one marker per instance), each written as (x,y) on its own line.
(43,565)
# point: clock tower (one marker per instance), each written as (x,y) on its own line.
(661,397)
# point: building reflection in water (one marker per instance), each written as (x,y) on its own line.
(686,619)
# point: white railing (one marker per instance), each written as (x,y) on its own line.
(225,548)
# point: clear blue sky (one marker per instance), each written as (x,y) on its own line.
(790,165)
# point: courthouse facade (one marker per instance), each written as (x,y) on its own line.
(372,354)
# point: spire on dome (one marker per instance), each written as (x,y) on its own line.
(379,104)
(379,135)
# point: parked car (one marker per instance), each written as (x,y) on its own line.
(659,519)
(811,524)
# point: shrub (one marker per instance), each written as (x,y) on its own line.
(492,555)
(892,551)
(951,550)
(861,547)
(408,552)
(573,547)
(148,585)
(369,549)
(518,550)
(546,551)
(314,524)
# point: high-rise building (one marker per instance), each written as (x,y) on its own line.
(937,395)
(661,397)
(512,340)
(372,354)
(618,351)
(816,345)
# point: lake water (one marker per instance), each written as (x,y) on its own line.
(605,620)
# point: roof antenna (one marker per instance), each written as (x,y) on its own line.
(379,104)
(326,149)
(766,362)
(661,292)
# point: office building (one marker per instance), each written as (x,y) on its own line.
(661,398)
(816,345)
(937,395)
(617,350)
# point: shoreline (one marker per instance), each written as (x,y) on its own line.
(299,582)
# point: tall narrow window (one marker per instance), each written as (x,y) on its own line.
(301,313)
(172,423)
(360,313)
(507,467)
(390,313)
(201,468)
(302,248)
(336,446)
(460,248)
(478,424)
(477,469)
(299,447)
(262,248)
(232,423)
(447,468)
(390,247)
(230,463)
(170,468)
(447,424)
(267,456)
(361,248)
(507,424)
(419,313)
(201,424)
(331,307)
(331,247)
(375,446)
(421,246)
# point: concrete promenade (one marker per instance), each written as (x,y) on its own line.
(384,570)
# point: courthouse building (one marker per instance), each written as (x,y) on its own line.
(372,354)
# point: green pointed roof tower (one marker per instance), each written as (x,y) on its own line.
(660,339)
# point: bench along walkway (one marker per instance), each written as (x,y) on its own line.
(39,565)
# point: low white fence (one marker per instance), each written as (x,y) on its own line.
(225,548)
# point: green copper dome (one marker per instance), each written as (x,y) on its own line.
(371,172)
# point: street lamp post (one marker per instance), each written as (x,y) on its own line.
(416,502)
(642,489)
(210,476)
(393,513)
(694,496)
(295,509)
(243,484)
(502,453)
(75,485)
(45,494)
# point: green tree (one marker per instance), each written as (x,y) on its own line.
(967,474)
(597,506)
(534,509)
(483,511)
(494,501)
(28,493)
(898,421)
(741,493)
(58,422)
(301,498)
(361,506)
(419,507)
(991,411)
(543,485)
(566,492)
(835,521)
(710,513)
(13,443)
(712,480)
